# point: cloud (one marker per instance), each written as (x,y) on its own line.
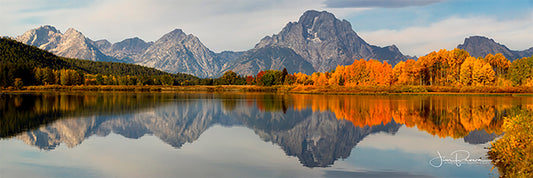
(447,34)
(378,3)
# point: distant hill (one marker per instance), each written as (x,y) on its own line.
(13,52)
(480,46)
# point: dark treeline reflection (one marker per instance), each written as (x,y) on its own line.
(318,129)
(22,112)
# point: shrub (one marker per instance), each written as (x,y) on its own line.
(513,153)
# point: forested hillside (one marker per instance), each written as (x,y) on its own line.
(28,63)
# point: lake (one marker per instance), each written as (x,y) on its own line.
(249,135)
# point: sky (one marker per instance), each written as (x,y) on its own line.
(416,27)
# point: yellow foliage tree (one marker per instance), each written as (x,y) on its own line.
(466,71)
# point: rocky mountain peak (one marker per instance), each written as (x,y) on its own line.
(73,32)
(131,45)
(325,42)
(103,44)
(71,44)
(128,50)
(175,34)
(179,52)
(45,37)
(319,25)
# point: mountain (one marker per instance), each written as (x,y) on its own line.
(269,58)
(479,46)
(179,52)
(325,41)
(71,44)
(128,50)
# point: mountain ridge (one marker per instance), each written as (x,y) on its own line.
(480,46)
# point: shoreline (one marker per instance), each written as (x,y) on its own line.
(292,89)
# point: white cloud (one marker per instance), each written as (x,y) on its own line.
(420,40)
(378,3)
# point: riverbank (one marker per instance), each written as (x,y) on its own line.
(414,90)
(153,88)
(297,89)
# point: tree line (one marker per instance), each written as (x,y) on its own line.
(454,68)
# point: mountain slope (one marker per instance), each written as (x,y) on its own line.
(269,58)
(71,44)
(179,52)
(479,46)
(325,42)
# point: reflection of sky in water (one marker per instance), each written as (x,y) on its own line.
(219,152)
(410,149)
(234,152)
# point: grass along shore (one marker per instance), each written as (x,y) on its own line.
(298,89)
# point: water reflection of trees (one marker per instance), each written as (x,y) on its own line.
(444,116)
(23,112)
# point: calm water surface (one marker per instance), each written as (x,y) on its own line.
(249,135)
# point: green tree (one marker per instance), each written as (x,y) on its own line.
(65,77)
(48,76)
(521,71)
(229,78)
(99,79)
(268,79)
(167,80)
(39,76)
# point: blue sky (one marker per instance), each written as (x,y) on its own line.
(415,26)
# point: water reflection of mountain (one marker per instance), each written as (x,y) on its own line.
(316,138)
(175,124)
(316,129)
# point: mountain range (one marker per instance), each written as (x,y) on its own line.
(318,41)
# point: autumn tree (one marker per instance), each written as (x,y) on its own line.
(482,73)
(466,71)
(319,79)
(250,80)
(499,63)
(303,79)
(456,57)
(337,76)
(476,72)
